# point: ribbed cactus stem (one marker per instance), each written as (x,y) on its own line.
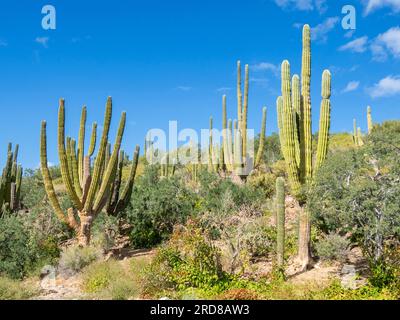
(306,139)
(324,122)
(355,133)
(369,120)
(111,165)
(48,182)
(296,100)
(65,173)
(100,157)
(280,221)
(238,156)
(280,115)
(245,111)
(239,91)
(75,169)
(210,146)
(93,138)
(261,145)
(81,144)
(289,128)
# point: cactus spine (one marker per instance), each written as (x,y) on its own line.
(294,121)
(94,191)
(280,221)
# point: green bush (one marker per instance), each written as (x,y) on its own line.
(75,258)
(157,205)
(16,290)
(23,249)
(332,247)
(357,192)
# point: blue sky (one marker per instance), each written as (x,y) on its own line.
(173,60)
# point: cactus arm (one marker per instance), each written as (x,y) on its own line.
(93,137)
(280,220)
(324,124)
(369,119)
(210,146)
(111,164)
(18,184)
(245,111)
(75,169)
(48,182)
(261,145)
(100,158)
(15,156)
(288,128)
(64,159)
(296,100)
(306,139)
(127,192)
(81,144)
(239,90)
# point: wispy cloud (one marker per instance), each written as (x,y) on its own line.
(303,5)
(387,87)
(349,34)
(386,43)
(351,86)
(265,66)
(3,43)
(224,89)
(43,41)
(373,5)
(183,88)
(320,31)
(358,45)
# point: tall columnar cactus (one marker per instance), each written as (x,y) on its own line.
(10,183)
(294,121)
(369,120)
(280,220)
(95,188)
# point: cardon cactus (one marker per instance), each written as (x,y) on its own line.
(280,221)
(369,120)
(295,127)
(10,183)
(91,189)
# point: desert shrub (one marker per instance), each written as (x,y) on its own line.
(188,260)
(23,249)
(357,192)
(105,231)
(75,258)
(332,247)
(263,181)
(272,149)
(157,205)
(213,188)
(16,290)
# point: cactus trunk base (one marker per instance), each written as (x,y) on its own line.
(304,257)
(84,231)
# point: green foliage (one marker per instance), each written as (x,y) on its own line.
(23,248)
(16,290)
(212,190)
(332,247)
(156,206)
(75,258)
(357,192)
(272,149)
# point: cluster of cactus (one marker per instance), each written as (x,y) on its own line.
(357,133)
(280,221)
(168,164)
(294,121)
(233,155)
(91,189)
(10,185)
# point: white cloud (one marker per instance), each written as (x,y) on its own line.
(266,66)
(320,32)
(351,86)
(303,5)
(372,5)
(43,41)
(387,87)
(358,45)
(387,42)
(184,88)
(224,89)
(349,34)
